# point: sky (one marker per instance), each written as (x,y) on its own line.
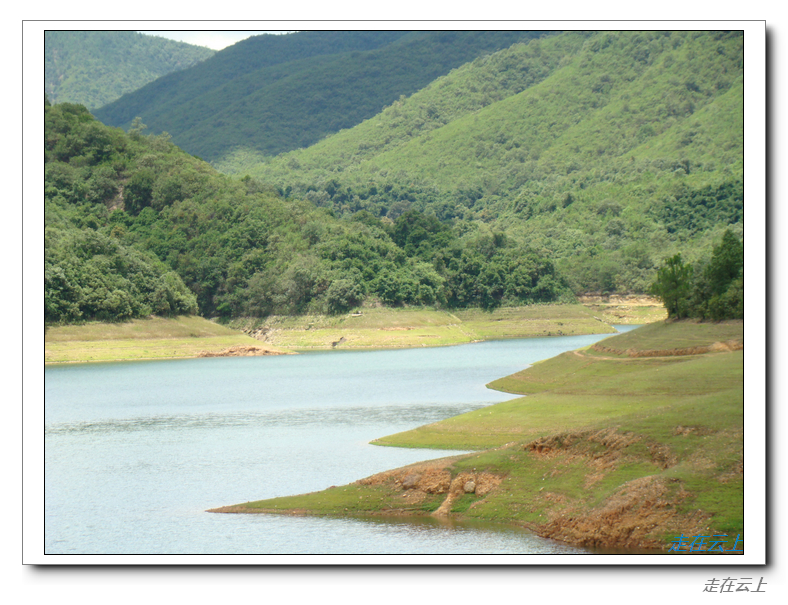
(217,40)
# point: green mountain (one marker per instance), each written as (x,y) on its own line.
(275,93)
(571,163)
(93,68)
(134,226)
(605,151)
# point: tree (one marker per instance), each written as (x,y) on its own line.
(138,192)
(135,131)
(725,277)
(727,263)
(672,286)
(342,295)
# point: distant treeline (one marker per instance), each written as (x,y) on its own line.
(136,226)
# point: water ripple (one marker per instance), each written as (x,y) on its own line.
(355,416)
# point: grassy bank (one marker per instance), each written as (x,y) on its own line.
(154,338)
(380,327)
(368,328)
(614,451)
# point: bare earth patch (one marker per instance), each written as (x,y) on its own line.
(241,351)
(717,347)
(626,519)
(421,480)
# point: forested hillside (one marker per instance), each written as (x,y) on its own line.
(134,226)
(93,68)
(569,163)
(607,152)
(275,93)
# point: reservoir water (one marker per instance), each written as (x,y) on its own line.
(136,452)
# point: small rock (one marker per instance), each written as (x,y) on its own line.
(411,481)
(469,487)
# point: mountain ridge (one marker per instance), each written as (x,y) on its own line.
(93,68)
(308,94)
(618,126)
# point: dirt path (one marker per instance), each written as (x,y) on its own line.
(717,347)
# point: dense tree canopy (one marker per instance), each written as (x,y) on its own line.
(135,226)
(606,151)
(573,162)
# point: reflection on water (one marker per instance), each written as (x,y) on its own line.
(136,452)
(397,535)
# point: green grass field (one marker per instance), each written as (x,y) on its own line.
(666,336)
(605,452)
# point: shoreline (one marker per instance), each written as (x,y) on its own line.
(366,330)
(171,358)
(654,549)
(598,455)
(151,339)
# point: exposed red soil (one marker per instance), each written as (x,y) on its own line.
(241,351)
(421,480)
(626,519)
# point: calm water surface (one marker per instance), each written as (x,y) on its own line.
(136,452)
